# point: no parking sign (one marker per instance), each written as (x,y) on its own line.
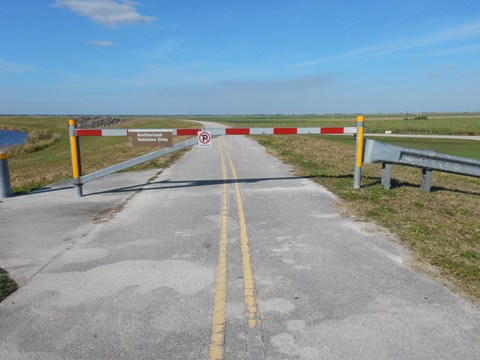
(204,139)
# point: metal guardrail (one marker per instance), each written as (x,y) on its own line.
(427,160)
(135,161)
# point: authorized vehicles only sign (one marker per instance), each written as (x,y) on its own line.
(152,138)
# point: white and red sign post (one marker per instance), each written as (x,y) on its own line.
(204,139)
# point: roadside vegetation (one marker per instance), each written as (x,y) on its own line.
(7,285)
(441,228)
(37,139)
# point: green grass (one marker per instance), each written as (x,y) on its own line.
(464,148)
(7,285)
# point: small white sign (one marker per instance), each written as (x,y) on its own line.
(204,139)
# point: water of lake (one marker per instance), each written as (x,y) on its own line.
(8,138)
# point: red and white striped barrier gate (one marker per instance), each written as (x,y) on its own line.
(226,131)
(76,134)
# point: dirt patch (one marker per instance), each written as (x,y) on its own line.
(105,215)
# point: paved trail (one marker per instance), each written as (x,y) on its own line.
(227,255)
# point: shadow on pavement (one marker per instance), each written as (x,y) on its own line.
(167,184)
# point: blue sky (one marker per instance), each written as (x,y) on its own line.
(230,57)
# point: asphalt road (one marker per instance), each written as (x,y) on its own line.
(228,255)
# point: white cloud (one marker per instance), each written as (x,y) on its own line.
(164,50)
(9,67)
(455,50)
(106,12)
(101,43)
(465,31)
(435,75)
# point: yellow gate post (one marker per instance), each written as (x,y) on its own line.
(357,177)
(76,161)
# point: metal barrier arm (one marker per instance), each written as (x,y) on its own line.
(136,161)
(75,135)
(226,131)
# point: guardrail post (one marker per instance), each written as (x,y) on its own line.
(386,175)
(76,161)
(426,179)
(5,190)
(357,177)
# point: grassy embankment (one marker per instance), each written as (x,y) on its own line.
(45,157)
(441,228)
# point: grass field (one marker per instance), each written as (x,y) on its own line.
(465,148)
(441,228)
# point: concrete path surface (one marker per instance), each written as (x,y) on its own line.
(224,255)
(37,227)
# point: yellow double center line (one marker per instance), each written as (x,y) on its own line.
(219,308)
